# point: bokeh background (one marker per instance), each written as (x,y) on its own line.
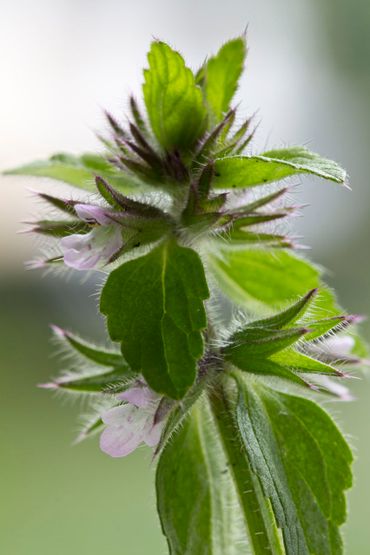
(61,62)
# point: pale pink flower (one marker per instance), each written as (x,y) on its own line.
(336,346)
(96,248)
(337,389)
(129,425)
(339,344)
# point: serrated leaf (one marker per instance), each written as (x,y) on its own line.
(274,165)
(173,101)
(78,171)
(302,462)
(261,281)
(202,518)
(154,307)
(221,76)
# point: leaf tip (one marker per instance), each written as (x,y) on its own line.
(58,332)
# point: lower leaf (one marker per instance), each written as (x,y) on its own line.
(197,504)
(258,468)
(302,462)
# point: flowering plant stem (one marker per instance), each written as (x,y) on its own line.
(259,519)
(222,340)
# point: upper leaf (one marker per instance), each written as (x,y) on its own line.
(302,462)
(249,171)
(197,502)
(154,306)
(78,171)
(173,101)
(221,76)
(261,282)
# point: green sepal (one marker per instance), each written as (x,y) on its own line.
(267,367)
(254,342)
(60,228)
(262,201)
(235,237)
(89,351)
(181,409)
(323,326)
(288,316)
(92,425)
(93,381)
(62,204)
(301,362)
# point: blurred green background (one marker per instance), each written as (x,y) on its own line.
(62,61)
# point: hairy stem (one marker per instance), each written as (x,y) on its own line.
(259,519)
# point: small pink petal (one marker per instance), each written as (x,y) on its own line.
(119,416)
(59,332)
(90,212)
(152,437)
(338,389)
(140,396)
(340,344)
(116,443)
(49,385)
(90,250)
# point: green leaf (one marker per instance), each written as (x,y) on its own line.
(249,171)
(154,306)
(261,281)
(302,462)
(78,171)
(196,500)
(221,76)
(173,101)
